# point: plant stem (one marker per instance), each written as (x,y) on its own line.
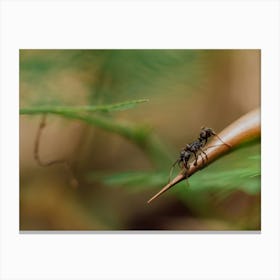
(73,180)
(61,110)
(242,130)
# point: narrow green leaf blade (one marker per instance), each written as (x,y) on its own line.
(121,106)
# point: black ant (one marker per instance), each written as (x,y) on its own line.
(195,147)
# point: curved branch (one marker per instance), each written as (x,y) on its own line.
(242,130)
(73,181)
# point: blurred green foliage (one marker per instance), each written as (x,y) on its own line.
(235,171)
(111,75)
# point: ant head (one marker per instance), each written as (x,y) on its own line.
(206,132)
(203,133)
(210,131)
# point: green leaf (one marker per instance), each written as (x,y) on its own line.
(80,109)
(127,72)
(134,180)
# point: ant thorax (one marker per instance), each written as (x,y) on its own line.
(195,146)
(185,155)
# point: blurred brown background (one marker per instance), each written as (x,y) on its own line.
(186,90)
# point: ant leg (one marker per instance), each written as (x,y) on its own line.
(204,155)
(213,146)
(172,167)
(184,162)
(186,165)
(187,181)
(180,164)
(195,163)
(202,158)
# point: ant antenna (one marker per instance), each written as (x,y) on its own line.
(221,140)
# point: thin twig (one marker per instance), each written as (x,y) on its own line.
(242,130)
(67,165)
